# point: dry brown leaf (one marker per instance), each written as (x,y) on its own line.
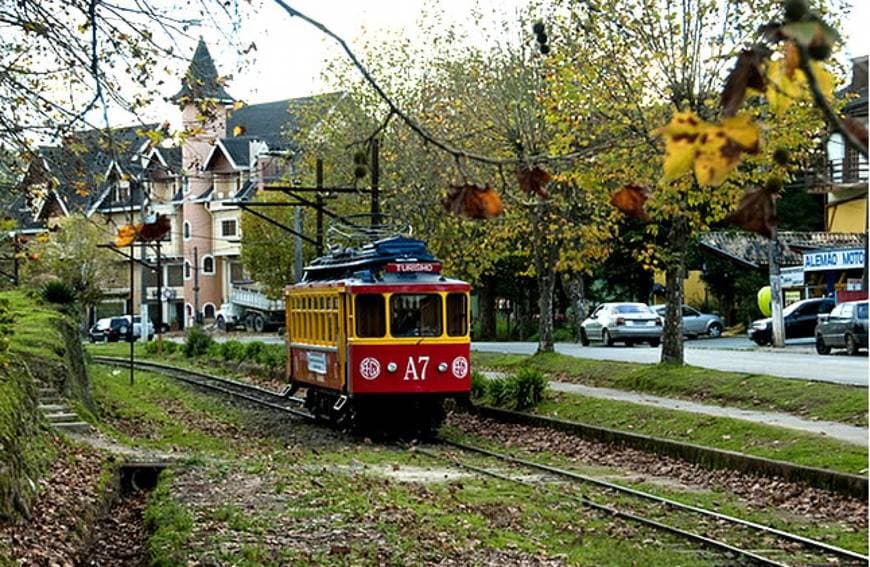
(755,212)
(473,201)
(532,181)
(630,200)
(746,74)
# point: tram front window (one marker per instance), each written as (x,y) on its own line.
(415,315)
(370,317)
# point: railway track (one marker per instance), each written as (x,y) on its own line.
(280,401)
(752,542)
(725,534)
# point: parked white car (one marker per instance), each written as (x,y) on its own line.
(630,323)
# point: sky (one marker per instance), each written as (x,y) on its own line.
(290,54)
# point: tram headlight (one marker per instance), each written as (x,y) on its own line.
(442,367)
(392,367)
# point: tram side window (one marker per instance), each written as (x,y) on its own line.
(370,316)
(415,315)
(457,315)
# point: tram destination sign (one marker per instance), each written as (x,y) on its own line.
(849,259)
(414,267)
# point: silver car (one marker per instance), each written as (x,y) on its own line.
(696,323)
(629,323)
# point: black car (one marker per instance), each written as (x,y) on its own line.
(845,327)
(800,320)
(114,329)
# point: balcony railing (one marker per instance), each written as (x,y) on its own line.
(834,174)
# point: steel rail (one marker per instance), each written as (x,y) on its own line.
(248,392)
(704,540)
(808,542)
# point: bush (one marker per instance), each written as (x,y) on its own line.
(58,292)
(529,387)
(252,351)
(479,384)
(197,342)
(233,350)
(168,347)
(272,356)
(215,351)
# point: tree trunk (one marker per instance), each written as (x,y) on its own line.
(546,288)
(576,290)
(486,307)
(672,337)
(524,310)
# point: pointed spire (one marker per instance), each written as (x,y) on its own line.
(201,80)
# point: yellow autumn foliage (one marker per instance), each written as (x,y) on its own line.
(712,150)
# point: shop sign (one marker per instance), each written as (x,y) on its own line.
(834,260)
(792,277)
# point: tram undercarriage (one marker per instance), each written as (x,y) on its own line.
(397,414)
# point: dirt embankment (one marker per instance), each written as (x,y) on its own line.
(40,348)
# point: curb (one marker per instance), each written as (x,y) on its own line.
(843,483)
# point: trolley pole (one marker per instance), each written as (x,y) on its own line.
(16,248)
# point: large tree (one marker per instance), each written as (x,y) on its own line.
(482,100)
(630,68)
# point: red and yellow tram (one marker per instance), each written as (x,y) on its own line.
(378,334)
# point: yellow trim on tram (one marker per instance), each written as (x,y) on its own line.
(443,339)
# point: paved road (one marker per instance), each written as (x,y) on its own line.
(838,368)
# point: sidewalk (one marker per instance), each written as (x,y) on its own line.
(835,430)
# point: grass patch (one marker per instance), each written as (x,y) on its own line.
(716,432)
(815,400)
(158,413)
(833,532)
(170,525)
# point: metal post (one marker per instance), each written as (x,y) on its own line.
(16,248)
(319,212)
(143,306)
(159,329)
(376,175)
(778,325)
(132,302)
(196,318)
(297,226)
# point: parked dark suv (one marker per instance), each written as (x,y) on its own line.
(800,320)
(845,327)
(114,329)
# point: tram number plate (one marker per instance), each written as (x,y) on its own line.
(317,362)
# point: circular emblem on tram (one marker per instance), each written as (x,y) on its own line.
(370,368)
(460,367)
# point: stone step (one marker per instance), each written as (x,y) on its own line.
(59,417)
(53,408)
(52,401)
(73,427)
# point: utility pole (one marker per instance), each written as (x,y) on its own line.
(376,178)
(143,306)
(319,203)
(196,317)
(778,325)
(297,226)
(159,329)
(16,248)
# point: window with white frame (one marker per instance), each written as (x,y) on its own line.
(185,230)
(208,265)
(229,227)
(188,272)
